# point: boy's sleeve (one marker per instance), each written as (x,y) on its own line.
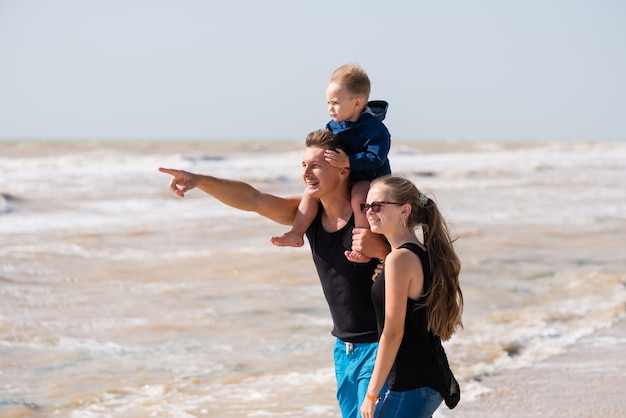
(376,144)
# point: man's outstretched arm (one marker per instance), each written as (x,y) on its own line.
(236,194)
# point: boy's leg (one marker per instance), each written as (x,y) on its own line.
(307,210)
(358,196)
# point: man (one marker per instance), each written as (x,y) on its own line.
(346,285)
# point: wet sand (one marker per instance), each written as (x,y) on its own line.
(588,380)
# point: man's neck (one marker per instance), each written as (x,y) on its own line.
(336,212)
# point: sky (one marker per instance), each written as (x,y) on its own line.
(258,69)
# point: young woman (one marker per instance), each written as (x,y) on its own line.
(418,303)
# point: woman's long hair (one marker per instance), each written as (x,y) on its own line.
(444,299)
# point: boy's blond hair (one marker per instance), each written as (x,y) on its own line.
(354,78)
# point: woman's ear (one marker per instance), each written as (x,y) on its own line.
(406,209)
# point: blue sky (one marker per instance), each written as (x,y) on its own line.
(245,69)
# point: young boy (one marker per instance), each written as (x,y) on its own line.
(358,124)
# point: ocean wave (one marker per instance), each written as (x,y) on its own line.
(521,336)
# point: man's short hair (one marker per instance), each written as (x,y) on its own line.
(323,138)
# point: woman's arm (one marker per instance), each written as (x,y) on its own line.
(400,269)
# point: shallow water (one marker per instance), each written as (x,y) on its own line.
(119,299)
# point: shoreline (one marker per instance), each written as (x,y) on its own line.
(587,380)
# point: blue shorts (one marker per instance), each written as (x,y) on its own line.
(417,403)
(354,364)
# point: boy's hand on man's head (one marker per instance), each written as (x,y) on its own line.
(337,158)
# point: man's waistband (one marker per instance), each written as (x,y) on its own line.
(351,346)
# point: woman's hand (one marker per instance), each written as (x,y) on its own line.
(377,271)
(368,408)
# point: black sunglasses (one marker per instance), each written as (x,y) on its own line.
(375,206)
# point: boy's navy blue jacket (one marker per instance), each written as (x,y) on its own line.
(368,141)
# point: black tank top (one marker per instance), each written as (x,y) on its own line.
(421,359)
(346,285)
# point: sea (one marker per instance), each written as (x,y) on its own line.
(119,299)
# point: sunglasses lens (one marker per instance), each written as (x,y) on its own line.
(374,206)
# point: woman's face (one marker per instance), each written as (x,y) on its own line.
(383,213)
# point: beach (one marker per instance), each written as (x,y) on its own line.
(587,380)
(122,300)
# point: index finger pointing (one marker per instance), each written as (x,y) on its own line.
(169,171)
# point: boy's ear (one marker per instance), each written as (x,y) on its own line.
(360,102)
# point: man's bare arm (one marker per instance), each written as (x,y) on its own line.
(236,194)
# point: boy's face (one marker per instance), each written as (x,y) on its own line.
(342,106)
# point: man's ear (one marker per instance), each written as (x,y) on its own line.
(345,171)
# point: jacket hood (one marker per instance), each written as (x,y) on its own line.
(377,108)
